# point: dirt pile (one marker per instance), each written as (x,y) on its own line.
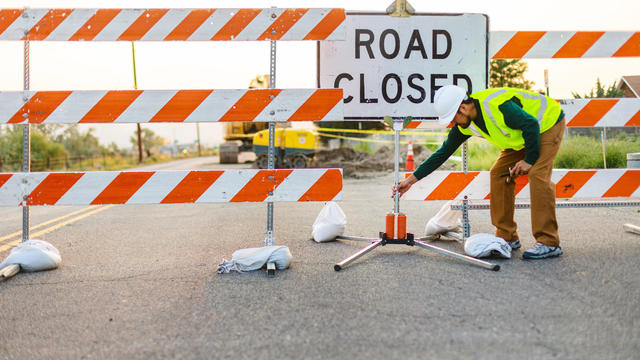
(357,164)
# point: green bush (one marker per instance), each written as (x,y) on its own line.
(364,147)
(482,156)
(582,152)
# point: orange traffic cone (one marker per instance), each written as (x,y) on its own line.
(410,165)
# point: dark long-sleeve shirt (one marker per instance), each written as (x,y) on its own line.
(514,117)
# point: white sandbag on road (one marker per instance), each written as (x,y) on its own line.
(330,223)
(445,220)
(255,258)
(33,255)
(485,245)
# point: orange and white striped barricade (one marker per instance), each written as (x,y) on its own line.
(563,44)
(139,106)
(610,187)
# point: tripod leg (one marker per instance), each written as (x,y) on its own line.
(469,259)
(347,261)
(357,238)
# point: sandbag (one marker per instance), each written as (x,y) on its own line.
(485,245)
(445,220)
(255,258)
(330,223)
(33,255)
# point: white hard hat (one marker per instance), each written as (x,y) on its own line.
(483,245)
(446,101)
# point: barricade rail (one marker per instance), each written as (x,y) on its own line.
(570,184)
(171,24)
(563,44)
(142,106)
(169,187)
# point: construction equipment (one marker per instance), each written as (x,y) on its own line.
(238,136)
(294,148)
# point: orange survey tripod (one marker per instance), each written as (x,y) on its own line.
(396,223)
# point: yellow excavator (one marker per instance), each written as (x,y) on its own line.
(294,148)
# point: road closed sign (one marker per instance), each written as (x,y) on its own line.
(392,66)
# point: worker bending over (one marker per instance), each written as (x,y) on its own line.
(528,127)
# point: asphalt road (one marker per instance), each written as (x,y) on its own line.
(140,282)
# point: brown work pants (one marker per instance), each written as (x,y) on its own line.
(542,191)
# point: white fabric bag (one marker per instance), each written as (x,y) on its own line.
(330,223)
(255,258)
(33,255)
(445,220)
(484,245)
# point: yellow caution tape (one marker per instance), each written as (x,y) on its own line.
(372,140)
(471,140)
(418,133)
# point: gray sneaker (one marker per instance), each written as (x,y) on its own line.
(541,251)
(515,244)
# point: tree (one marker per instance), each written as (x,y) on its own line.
(41,148)
(600,91)
(150,141)
(80,144)
(509,73)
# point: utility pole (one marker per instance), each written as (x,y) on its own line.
(135,87)
(198,135)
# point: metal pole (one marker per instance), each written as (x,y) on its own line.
(546,80)
(198,135)
(466,228)
(465,258)
(135,87)
(397,126)
(603,138)
(269,239)
(339,266)
(26,143)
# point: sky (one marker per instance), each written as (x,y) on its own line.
(229,64)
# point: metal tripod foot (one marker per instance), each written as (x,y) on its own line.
(465,258)
(8,271)
(350,259)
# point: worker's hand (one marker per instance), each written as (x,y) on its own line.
(520,168)
(404,185)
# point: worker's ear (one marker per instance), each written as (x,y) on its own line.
(388,121)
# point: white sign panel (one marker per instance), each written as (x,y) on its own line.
(391,66)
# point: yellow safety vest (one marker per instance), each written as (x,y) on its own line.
(543,108)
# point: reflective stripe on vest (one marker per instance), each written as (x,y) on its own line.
(472,127)
(487,108)
(543,104)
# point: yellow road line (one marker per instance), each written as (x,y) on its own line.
(45,223)
(55,227)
